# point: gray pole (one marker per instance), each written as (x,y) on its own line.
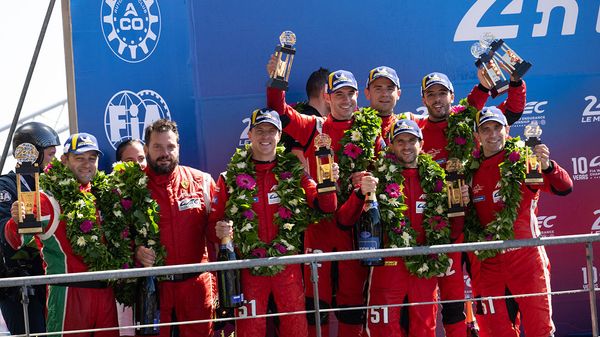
(589,254)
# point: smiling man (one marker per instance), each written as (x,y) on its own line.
(71,306)
(183,195)
(516,271)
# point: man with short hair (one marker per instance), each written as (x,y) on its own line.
(348,281)
(183,195)
(383,92)
(526,270)
(45,140)
(279,222)
(65,238)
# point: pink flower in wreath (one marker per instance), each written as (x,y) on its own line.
(248,214)
(441,225)
(126,266)
(476,154)
(286,175)
(514,156)
(245,181)
(259,252)
(433,257)
(86,226)
(48,168)
(460,140)
(125,233)
(284,213)
(352,150)
(126,204)
(398,229)
(489,237)
(439,186)
(280,248)
(393,190)
(458,108)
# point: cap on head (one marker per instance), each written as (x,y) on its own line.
(339,79)
(38,134)
(383,71)
(265,115)
(435,78)
(488,114)
(405,126)
(81,142)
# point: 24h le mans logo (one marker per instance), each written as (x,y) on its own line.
(131,28)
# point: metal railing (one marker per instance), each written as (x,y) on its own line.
(313,260)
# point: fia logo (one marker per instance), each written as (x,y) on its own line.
(131,28)
(591,113)
(128,113)
(469,29)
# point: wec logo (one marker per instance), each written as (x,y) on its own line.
(469,29)
(128,113)
(129,26)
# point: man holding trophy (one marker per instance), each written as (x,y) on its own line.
(342,95)
(44,139)
(272,225)
(506,208)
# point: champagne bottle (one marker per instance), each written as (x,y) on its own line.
(230,290)
(472,328)
(147,306)
(370,233)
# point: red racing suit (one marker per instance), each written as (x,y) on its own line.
(516,271)
(76,306)
(393,284)
(434,143)
(286,287)
(184,197)
(327,236)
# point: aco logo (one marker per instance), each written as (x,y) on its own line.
(128,113)
(131,28)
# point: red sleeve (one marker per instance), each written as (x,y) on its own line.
(217,212)
(298,126)
(557,180)
(477,97)
(14,239)
(514,104)
(349,213)
(325,202)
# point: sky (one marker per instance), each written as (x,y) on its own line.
(20,24)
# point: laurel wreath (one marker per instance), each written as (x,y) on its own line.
(357,148)
(459,133)
(129,216)
(292,218)
(512,174)
(397,225)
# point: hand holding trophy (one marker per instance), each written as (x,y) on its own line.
(325,179)
(284,56)
(26,155)
(533,169)
(493,55)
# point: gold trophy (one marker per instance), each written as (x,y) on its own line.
(325,181)
(493,75)
(284,55)
(533,169)
(455,179)
(26,155)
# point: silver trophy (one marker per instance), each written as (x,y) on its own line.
(493,75)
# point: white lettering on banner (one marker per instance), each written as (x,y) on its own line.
(533,106)
(469,30)
(244,135)
(128,113)
(591,113)
(422,111)
(596,224)
(584,169)
(137,27)
(546,228)
(585,277)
